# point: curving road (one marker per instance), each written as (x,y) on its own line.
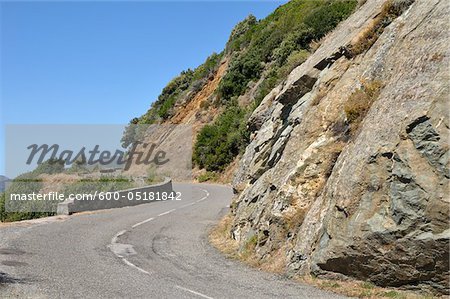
(155,250)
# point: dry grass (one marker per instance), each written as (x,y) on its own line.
(361,289)
(224,177)
(227,175)
(247,254)
(276,262)
(221,239)
(389,12)
(360,101)
(294,219)
(30,222)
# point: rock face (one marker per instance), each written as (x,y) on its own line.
(369,198)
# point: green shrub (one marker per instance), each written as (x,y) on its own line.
(153,176)
(102,184)
(240,33)
(165,109)
(170,93)
(239,74)
(269,82)
(326,17)
(294,41)
(51,166)
(26,183)
(188,80)
(292,27)
(208,67)
(133,132)
(279,42)
(19,215)
(30,182)
(217,144)
(293,60)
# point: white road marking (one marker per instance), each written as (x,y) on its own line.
(114,242)
(127,262)
(134,266)
(204,197)
(114,239)
(165,213)
(188,205)
(142,222)
(194,292)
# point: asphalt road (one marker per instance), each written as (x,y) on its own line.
(155,250)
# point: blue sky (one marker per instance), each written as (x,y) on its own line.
(104,62)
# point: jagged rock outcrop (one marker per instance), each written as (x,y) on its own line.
(364,197)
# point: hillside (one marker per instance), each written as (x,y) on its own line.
(218,97)
(3,181)
(339,134)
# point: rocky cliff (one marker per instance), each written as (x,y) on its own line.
(346,173)
(340,135)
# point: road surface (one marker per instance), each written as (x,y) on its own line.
(154,250)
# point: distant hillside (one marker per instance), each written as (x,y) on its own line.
(3,181)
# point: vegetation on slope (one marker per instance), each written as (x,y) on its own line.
(217,144)
(360,101)
(389,12)
(32,182)
(184,86)
(28,183)
(258,50)
(268,44)
(266,50)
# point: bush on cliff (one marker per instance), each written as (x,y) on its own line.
(270,48)
(217,144)
(292,27)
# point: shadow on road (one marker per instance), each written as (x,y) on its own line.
(6,279)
